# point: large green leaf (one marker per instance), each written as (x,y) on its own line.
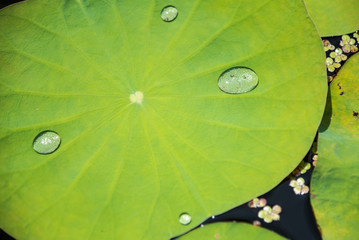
(127,167)
(231,231)
(335,179)
(334,17)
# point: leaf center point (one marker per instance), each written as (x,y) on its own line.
(136,97)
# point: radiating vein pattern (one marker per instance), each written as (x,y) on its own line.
(146,134)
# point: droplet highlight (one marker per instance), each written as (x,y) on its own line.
(46,142)
(185,219)
(238,80)
(169,13)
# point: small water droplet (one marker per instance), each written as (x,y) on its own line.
(213,217)
(185,219)
(169,13)
(46,142)
(238,80)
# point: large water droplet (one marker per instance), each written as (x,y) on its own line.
(46,142)
(185,219)
(238,80)
(169,13)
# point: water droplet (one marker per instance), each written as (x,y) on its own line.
(169,13)
(185,219)
(136,97)
(238,80)
(46,142)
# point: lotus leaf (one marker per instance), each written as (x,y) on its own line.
(335,179)
(230,231)
(146,133)
(334,18)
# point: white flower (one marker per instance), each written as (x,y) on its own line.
(299,187)
(269,214)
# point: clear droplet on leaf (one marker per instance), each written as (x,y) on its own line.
(46,142)
(185,219)
(238,80)
(169,13)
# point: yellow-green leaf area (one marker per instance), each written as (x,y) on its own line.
(231,231)
(334,18)
(146,133)
(335,178)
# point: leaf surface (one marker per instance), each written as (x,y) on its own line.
(130,164)
(335,179)
(334,18)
